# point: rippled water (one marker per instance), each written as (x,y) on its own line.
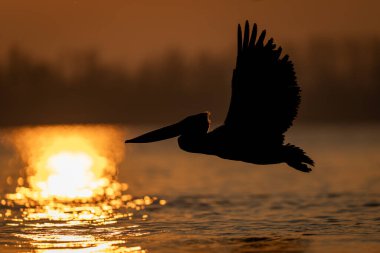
(214,205)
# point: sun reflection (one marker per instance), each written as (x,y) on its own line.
(105,247)
(71,176)
(71,182)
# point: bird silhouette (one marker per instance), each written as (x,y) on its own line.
(264,102)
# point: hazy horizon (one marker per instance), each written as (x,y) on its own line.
(85,89)
(158,61)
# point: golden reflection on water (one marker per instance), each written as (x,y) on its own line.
(71,183)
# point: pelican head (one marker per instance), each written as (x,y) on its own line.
(191,126)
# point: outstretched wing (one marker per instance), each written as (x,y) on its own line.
(265,95)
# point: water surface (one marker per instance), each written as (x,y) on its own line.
(181,202)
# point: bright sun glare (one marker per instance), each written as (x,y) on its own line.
(67,163)
(71,176)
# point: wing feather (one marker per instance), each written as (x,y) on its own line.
(265,95)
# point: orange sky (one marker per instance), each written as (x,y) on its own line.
(130,30)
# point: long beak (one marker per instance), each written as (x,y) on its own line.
(159,134)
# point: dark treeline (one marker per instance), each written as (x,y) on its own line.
(340,83)
(34,92)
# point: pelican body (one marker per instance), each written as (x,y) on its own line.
(264,102)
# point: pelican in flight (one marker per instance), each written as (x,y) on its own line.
(264,102)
